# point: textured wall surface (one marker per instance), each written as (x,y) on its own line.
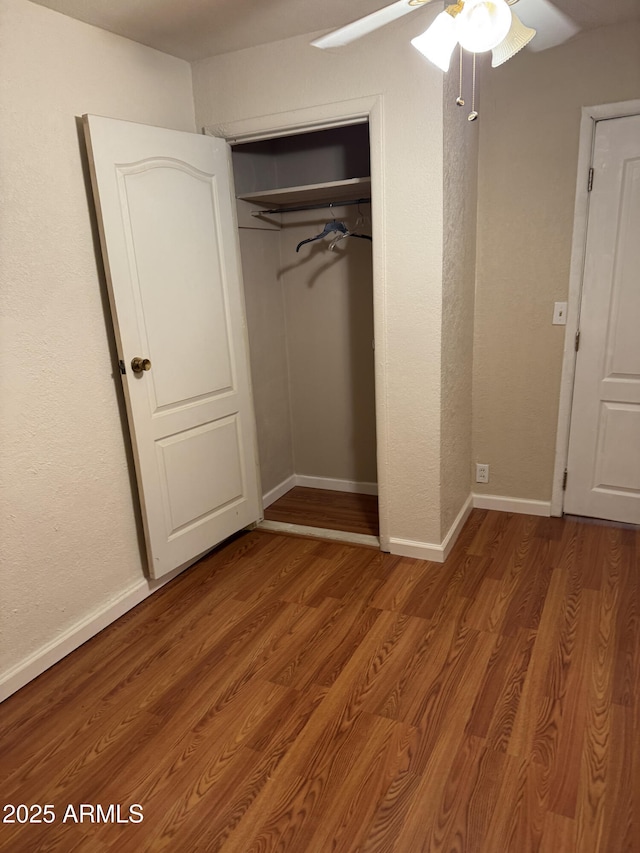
(329,311)
(408,257)
(260,252)
(69,541)
(310,321)
(458,283)
(530,121)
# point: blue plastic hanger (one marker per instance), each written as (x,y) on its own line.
(329,228)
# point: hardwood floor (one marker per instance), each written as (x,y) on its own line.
(354,513)
(303,696)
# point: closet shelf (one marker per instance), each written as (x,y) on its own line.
(332,191)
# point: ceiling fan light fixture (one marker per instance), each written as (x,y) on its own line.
(438,41)
(518,37)
(483,24)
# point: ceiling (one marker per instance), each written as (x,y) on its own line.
(195,29)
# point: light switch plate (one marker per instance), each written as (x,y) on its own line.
(560,314)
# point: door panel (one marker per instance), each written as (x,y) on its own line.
(193,492)
(604,447)
(619,427)
(171,215)
(170,248)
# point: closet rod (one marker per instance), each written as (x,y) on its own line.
(310,206)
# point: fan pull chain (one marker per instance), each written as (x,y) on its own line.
(473,115)
(460,99)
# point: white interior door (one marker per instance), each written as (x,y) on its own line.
(170,248)
(603,470)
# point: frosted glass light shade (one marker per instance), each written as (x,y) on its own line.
(518,37)
(438,41)
(482,24)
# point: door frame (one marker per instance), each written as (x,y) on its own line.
(590,118)
(324,117)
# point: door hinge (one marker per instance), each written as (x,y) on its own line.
(564,480)
(123,369)
(577,342)
(590,180)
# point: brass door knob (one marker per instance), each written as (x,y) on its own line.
(140,364)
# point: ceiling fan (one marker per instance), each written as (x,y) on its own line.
(477,25)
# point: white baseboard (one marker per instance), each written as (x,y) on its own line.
(439,553)
(336,485)
(280,490)
(431,551)
(49,654)
(456,528)
(518,505)
(318,483)
(52,652)
(416,550)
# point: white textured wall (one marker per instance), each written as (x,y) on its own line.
(529,129)
(68,538)
(291,75)
(328,298)
(310,321)
(264,299)
(458,284)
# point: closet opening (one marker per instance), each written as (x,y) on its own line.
(304,217)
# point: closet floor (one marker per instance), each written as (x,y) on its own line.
(353,513)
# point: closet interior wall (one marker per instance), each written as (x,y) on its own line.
(309,313)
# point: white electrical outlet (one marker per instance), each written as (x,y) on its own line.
(482,473)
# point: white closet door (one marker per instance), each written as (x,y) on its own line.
(170,247)
(604,449)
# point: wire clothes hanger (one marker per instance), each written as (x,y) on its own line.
(337,239)
(359,221)
(334,226)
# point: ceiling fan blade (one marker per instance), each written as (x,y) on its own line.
(553,26)
(367,25)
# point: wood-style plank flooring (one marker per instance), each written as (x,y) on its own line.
(354,513)
(305,696)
